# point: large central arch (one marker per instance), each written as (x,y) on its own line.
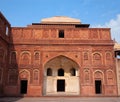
(61,76)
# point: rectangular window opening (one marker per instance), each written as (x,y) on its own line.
(61,33)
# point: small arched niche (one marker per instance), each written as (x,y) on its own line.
(60,72)
(49,72)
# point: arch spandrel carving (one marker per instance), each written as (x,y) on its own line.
(24,74)
(98,75)
(52,56)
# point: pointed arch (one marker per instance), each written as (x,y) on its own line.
(98,81)
(98,74)
(86,75)
(13,57)
(24,74)
(36,76)
(97,58)
(108,58)
(110,77)
(25,57)
(36,55)
(62,56)
(60,72)
(49,72)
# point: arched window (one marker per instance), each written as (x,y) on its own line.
(96,56)
(49,72)
(73,72)
(60,72)
(97,59)
(110,78)
(25,58)
(36,75)
(13,57)
(86,56)
(36,56)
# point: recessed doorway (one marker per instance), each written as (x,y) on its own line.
(98,87)
(60,85)
(23,86)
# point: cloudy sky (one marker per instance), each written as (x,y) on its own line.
(97,13)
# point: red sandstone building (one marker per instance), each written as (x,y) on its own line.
(59,56)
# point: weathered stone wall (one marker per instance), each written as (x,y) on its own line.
(32,48)
(95,63)
(4,38)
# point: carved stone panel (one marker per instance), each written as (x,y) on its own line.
(86,73)
(37,33)
(110,78)
(108,58)
(97,60)
(36,76)
(13,58)
(25,58)
(98,75)
(36,58)
(24,74)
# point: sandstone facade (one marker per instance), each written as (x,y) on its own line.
(52,59)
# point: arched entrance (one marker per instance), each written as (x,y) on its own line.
(61,76)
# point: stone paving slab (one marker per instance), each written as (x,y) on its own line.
(60,99)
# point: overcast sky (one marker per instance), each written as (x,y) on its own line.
(97,13)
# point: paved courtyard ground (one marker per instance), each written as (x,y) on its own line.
(60,99)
